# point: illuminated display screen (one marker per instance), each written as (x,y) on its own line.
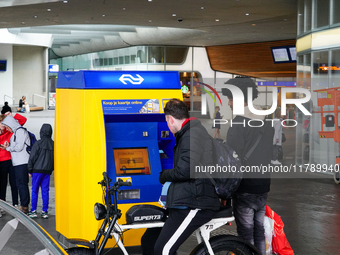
(131,161)
(284,54)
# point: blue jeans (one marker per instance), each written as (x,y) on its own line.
(43,181)
(249,211)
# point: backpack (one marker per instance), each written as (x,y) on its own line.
(32,137)
(227,182)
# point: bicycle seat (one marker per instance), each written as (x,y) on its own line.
(224,212)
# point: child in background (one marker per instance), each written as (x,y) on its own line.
(40,167)
(217,116)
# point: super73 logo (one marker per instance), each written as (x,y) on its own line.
(129,78)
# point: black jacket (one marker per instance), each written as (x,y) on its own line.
(241,139)
(42,155)
(193,147)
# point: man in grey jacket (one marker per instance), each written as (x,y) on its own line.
(17,147)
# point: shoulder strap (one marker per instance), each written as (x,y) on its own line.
(263,128)
(15,137)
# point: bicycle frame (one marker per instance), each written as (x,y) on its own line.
(111,227)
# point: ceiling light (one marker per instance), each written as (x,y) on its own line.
(149,0)
(35,16)
(217,20)
(124,9)
(104,15)
(65,2)
(23,22)
(174,15)
(150,20)
(48,10)
(285,19)
(253,25)
(247,14)
(202,8)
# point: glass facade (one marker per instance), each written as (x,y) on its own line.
(132,58)
(317,68)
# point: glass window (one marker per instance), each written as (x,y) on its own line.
(336,11)
(308,15)
(321,13)
(301,16)
(176,55)
(121,60)
(155,55)
(115,61)
(127,59)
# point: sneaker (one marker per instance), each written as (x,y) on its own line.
(44,215)
(32,214)
(24,209)
(276,162)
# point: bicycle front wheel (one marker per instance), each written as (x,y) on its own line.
(221,245)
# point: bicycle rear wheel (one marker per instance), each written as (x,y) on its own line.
(221,245)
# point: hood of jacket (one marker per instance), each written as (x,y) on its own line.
(11,122)
(46,131)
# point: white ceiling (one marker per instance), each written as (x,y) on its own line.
(83,26)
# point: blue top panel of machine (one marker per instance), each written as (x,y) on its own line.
(119,80)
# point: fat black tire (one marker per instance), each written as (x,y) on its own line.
(337,177)
(221,245)
(80,251)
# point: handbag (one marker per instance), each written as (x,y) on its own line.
(306,153)
(283,138)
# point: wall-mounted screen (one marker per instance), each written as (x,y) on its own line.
(3,65)
(284,54)
(131,161)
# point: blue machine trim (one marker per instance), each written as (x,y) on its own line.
(119,80)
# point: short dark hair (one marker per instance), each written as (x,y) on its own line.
(242,83)
(177,109)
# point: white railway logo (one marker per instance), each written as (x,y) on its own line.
(129,78)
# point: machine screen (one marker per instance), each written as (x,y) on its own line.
(131,161)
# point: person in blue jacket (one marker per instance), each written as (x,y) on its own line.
(40,167)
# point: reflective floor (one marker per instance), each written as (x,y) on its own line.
(309,207)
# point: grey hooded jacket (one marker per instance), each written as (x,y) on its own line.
(18,142)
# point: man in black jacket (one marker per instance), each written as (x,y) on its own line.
(40,167)
(249,201)
(191,202)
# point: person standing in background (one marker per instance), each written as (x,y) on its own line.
(217,126)
(6,167)
(40,167)
(277,139)
(6,108)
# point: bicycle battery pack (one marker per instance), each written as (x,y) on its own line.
(145,214)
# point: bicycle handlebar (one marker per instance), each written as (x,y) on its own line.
(119,183)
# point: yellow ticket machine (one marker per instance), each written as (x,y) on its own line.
(109,121)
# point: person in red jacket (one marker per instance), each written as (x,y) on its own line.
(6,169)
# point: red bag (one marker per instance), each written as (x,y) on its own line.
(280,243)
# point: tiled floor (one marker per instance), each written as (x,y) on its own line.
(309,207)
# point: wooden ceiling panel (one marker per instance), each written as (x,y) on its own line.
(251,59)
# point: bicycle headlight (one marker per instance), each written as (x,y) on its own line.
(99,211)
